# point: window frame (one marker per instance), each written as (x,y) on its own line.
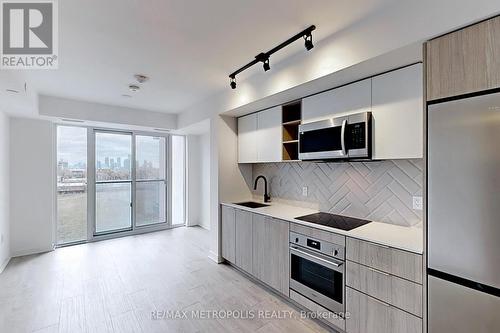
(91,193)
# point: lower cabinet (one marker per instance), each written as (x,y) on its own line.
(270,252)
(228,233)
(369,315)
(401,293)
(244,240)
(257,245)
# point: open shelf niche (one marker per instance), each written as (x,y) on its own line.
(291,119)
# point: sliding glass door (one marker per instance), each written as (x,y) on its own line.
(151,180)
(117,182)
(113,182)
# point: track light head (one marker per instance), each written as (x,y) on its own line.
(264,59)
(266,65)
(232,82)
(308,41)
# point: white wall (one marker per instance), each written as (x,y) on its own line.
(199,180)
(205,180)
(4,192)
(193,181)
(72,109)
(32,168)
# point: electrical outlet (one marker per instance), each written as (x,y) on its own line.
(417,203)
(304,191)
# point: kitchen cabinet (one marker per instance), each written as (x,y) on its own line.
(401,293)
(243,252)
(228,233)
(384,291)
(259,137)
(464,61)
(369,315)
(270,252)
(397,114)
(247,139)
(393,261)
(269,135)
(352,98)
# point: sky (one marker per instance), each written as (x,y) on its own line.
(72,146)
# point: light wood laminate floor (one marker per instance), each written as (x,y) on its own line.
(115,285)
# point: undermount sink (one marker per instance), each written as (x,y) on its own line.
(251,204)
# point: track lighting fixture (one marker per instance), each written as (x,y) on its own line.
(266,65)
(308,41)
(264,56)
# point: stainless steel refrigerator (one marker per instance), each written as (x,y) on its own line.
(464,215)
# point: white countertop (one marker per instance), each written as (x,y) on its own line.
(399,237)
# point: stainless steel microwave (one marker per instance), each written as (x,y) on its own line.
(337,138)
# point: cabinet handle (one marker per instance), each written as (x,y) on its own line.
(379,272)
(380,302)
(382,246)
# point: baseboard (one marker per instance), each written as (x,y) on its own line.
(204,227)
(4,264)
(29,252)
(215,257)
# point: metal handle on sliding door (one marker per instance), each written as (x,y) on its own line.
(342,137)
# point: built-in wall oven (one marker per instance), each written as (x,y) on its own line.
(317,271)
(337,138)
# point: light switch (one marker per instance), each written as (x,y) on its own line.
(304,191)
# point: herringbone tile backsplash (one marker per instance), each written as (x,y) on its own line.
(380,191)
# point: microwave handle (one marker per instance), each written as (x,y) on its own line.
(342,137)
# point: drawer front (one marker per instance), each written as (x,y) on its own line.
(396,262)
(332,319)
(318,234)
(368,315)
(391,289)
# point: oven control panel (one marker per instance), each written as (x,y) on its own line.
(328,248)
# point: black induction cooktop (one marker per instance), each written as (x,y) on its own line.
(334,221)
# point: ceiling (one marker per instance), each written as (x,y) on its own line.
(187,47)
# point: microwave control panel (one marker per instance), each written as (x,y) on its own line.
(356,136)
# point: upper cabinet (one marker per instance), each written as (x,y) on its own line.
(259,137)
(352,98)
(269,135)
(397,114)
(464,61)
(394,98)
(247,139)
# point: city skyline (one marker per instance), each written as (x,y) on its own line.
(72,147)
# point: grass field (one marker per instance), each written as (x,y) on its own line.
(112,211)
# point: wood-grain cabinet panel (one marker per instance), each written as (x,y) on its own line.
(464,61)
(394,261)
(228,233)
(369,315)
(244,244)
(391,289)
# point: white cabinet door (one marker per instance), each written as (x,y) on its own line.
(247,139)
(352,98)
(398,114)
(269,135)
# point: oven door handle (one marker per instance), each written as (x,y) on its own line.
(342,137)
(307,255)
